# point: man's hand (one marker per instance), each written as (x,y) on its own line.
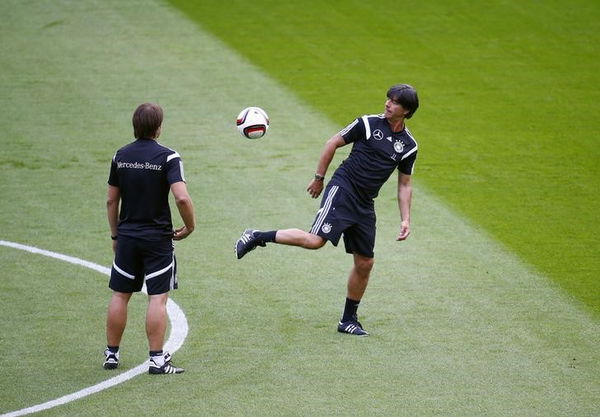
(315,188)
(181,233)
(404,231)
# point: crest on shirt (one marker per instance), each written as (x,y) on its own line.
(377,134)
(399,146)
(326,228)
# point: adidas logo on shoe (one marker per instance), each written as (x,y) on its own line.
(162,365)
(246,243)
(352,327)
(111,359)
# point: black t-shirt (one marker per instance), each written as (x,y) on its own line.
(144,171)
(376,153)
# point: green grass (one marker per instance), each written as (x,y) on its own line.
(460,325)
(508,123)
(43,298)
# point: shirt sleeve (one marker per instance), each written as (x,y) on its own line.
(174,167)
(113,178)
(354,131)
(407,165)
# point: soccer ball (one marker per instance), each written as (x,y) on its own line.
(253,122)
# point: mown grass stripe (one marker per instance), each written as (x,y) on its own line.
(459,325)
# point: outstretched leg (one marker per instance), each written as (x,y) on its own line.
(300,238)
(250,239)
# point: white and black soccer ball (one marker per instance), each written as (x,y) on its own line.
(253,122)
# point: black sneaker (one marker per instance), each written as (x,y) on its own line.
(167,367)
(111,359)
(246,243)
(352,327)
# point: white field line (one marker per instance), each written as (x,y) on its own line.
(179,331)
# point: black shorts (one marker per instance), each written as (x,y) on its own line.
(140,261)
(341,213)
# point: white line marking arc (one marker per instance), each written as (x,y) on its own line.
(179,331)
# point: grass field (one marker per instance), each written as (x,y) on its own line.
(508,124)
(461,323)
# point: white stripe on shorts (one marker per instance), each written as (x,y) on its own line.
(157,273)
(120,271)
(173,276)
(324,210)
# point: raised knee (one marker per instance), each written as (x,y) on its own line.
(314,242)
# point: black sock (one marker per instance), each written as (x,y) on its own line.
(156,353)
(113,349)
(350,310)
(266,236)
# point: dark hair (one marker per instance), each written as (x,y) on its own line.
(147,119)
(406,95)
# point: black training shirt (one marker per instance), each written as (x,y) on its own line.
(376,153)
(144,171)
